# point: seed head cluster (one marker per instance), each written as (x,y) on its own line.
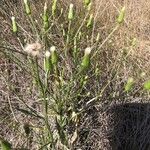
(33,49)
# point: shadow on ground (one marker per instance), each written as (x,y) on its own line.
(129,126)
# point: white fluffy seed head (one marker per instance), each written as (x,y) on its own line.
(38,46)
(33,49)
(71,5)
(35,53)
(25,1)
(45,6)
(12,18)
(47,54)
(53,48)
(29,48)
(87,50)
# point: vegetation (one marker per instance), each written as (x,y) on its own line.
(63,65)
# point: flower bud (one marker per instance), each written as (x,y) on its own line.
(134,42)
(85,80)
(54,7)
(129,84)
(89,6)
(46,25)
(79,35)
(47,54)
(47,62)
(70,14)
(27,7)
(90,21)
(97,37)
(45,16)
(54,57)
(87,51)
(120,18)
(14,24)
(86,59)
(87,2)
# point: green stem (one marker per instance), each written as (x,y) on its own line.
(45,102)
(34,27)
(107,38)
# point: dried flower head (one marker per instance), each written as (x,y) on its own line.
(53,48)
(35,53)
(12,18)
(25,1)
(47,54)
(45,7)
(33,49)
(87,51)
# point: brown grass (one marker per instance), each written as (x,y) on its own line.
(105,126)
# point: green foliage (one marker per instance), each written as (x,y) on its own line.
(90,21)
(54,6)
(47,62)
(87,2)
(129,84)
(121,16)
(64,75)
(86,59)
(54,56)
(5,145)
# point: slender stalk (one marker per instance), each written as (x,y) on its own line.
(107,38)
(68,38)
(34,27)
(45,102)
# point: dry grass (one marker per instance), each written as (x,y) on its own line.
(104,126)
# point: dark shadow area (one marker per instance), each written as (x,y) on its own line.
(129,126)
